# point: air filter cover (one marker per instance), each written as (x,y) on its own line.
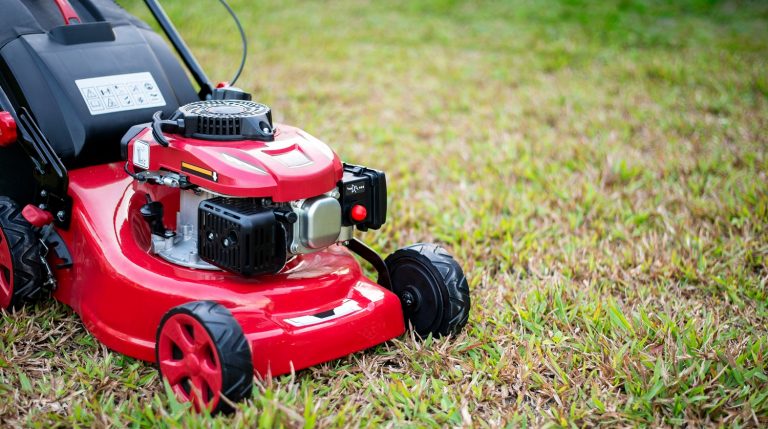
(227,120)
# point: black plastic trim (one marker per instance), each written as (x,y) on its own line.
(129,136)
(50,172)
(55,243)
(87,32)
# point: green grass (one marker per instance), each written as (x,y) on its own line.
(599,169)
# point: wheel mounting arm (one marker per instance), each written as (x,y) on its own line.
(362,250)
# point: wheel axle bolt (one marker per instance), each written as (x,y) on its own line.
(408,299)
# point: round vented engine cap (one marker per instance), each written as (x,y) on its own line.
(227,120)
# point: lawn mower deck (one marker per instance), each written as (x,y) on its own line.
(182,224)
(319,307)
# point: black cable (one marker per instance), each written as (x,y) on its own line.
(157,129)
(242,38)
(133,175)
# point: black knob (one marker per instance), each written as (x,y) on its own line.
(286,216)
(152,212)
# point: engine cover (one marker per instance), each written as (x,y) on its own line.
(227,120)
(241,235)
(294,166)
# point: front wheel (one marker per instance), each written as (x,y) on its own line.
(202,353)
(432,288)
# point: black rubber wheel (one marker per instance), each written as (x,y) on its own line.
(432,288)
(22,268)
(202,353)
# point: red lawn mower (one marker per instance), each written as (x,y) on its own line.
(182,224)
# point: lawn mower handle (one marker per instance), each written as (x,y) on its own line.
(206,88)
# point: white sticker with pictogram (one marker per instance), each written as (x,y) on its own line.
(141,154)
(118,93)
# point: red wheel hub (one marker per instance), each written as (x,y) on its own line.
(6,272)
(189,361)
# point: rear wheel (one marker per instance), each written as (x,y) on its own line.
(21,261)
(202,353)
(432,288)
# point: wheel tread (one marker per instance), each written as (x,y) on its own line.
(26,252)
(233,348)
(453,278)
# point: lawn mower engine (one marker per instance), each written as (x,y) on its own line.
(252,195)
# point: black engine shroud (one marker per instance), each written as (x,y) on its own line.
(241,235)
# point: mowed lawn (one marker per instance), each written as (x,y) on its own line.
(598,168)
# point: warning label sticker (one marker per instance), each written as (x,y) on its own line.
(141,154)
(118,93)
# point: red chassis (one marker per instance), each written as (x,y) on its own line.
(121,291)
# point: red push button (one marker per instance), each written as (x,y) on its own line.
(358,213)
(36,216)
(7,129)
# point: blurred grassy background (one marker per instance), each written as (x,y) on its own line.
(599,168)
